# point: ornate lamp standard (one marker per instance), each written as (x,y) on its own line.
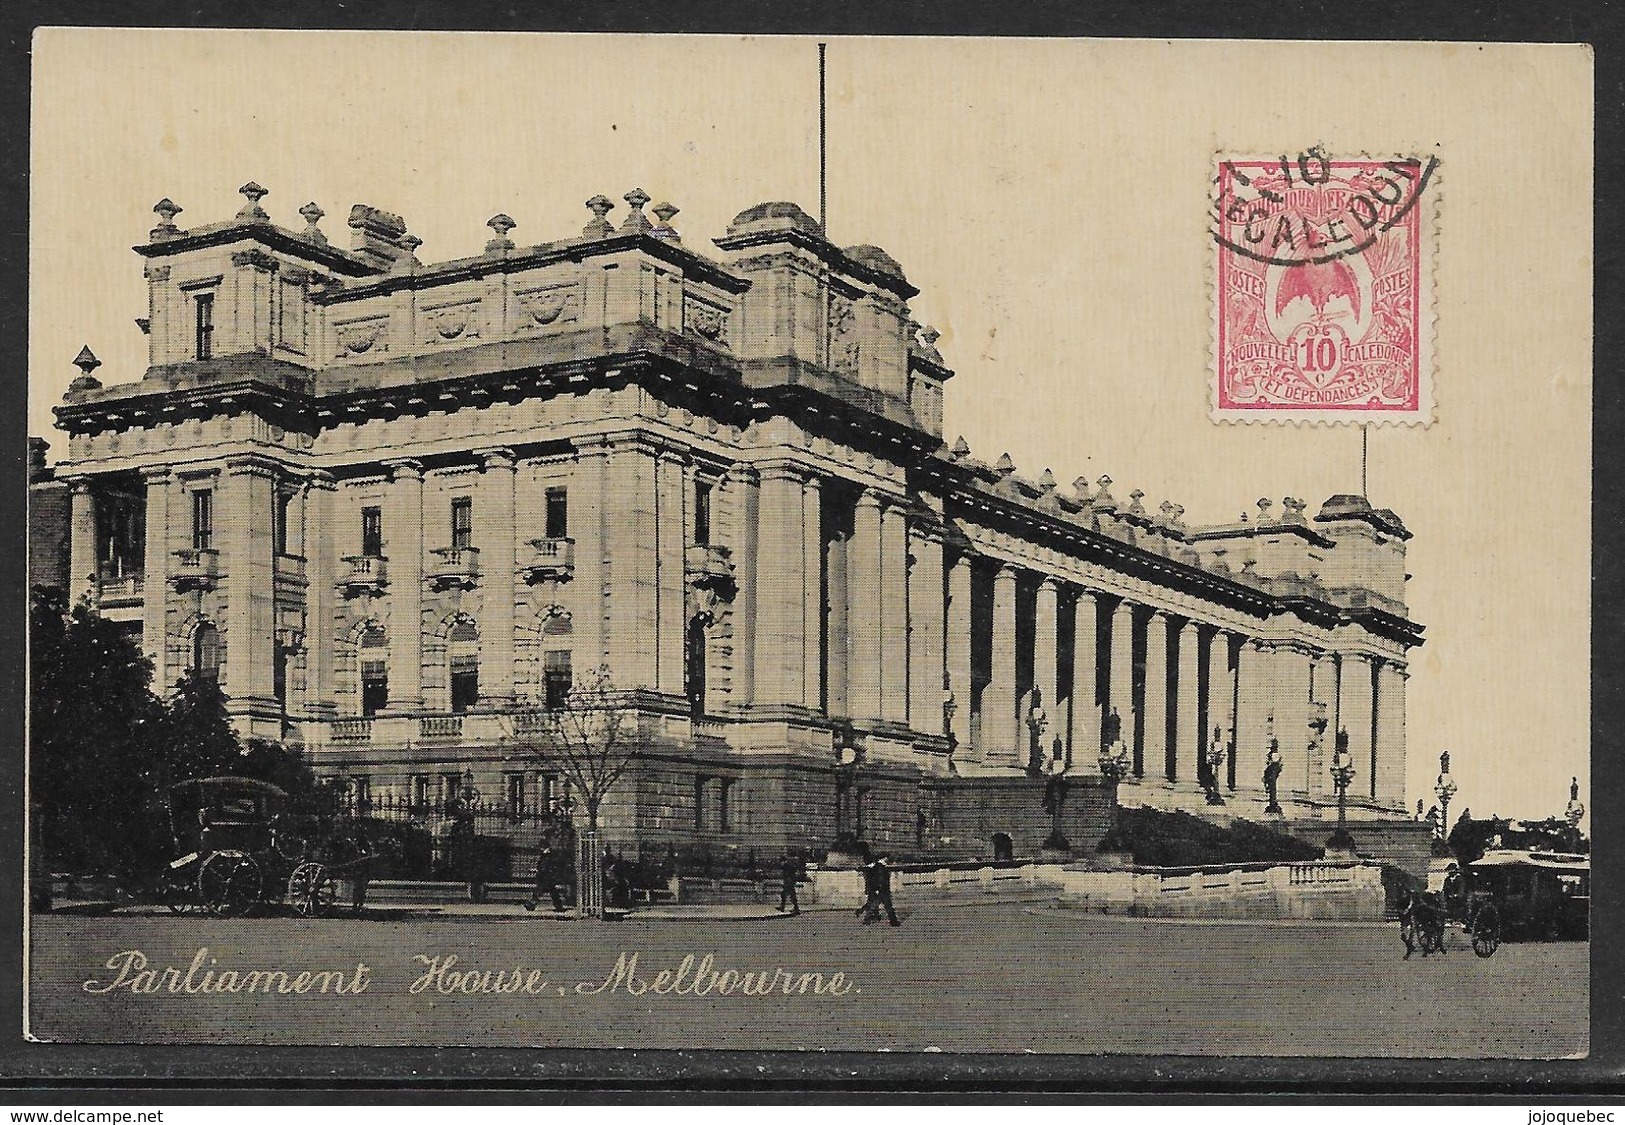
(1213,759)
(1342,774)
(1037,720)
(1444,789)
(848,759)
(1574,813)
(949,706)
(1114,759)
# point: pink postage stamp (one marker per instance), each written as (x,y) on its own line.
(1323,289)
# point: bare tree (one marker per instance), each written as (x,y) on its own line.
(592,740)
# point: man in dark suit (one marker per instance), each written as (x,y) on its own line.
(789,876)
(882,889)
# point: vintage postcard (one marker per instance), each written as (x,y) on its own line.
(913,545)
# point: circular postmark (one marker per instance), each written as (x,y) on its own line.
(1312,209)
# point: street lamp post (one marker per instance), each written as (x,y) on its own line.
(1214,758)
(1342,775)
(950,706)
(1574,813)
(1444,789)
(1037,720)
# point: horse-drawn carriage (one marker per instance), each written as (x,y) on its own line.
(1505,895)
(240,847)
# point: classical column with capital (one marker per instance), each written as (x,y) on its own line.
(780,558)
(1221,688)
(673,515)
(1120,675)
(246,558)
(1391,733)
(958,658)
(630,548)
(863,599)
(894,638)
(1158,754)
(1356,714)
(1186,752)
(403,547)
(495,534)
(1046,611)
(1001,729)
(812,590)
(323,547)
(81,542)
(155,578)
(1255,714)
(1086,717)
(925,633)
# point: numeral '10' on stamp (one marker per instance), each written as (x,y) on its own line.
(1323,290)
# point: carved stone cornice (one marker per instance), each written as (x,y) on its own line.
(256,259)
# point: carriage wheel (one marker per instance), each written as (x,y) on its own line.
(1487,932)
(229,884)
(311,891)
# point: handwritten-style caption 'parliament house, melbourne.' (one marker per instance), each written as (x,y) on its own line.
(396,508)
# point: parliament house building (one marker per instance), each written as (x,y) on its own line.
(397,508)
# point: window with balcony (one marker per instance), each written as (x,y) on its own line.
(702,513)
(463,652)
(556,678)
(202,519)
(557,514)
(372,532)
(205,325)
(120,533)
(206,652)
(374,672)
(462,523)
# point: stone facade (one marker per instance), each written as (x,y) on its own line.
(394,506)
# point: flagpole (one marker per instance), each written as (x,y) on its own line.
(823,141)
(1365,436)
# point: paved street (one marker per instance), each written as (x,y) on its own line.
(984,977)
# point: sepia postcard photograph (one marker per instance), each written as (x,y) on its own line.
(824,544)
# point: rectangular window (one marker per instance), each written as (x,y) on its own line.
(422,792)
(702,513)
(558,513)
(465,683)
(361,789)
(279,677)
(372,532)
(547,792)
(202,519)
(700,784)
(279,523)
(556,678)
(462,523)
(374,687)
(451,786)
(205,325)
(723,786)
(513,785)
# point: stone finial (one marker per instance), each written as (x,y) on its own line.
(1047,482)
(501,224)
(1134,502)
(1005,466)
(928,343)
(1165,514)
(1177,519)
(636,220)
(86,360)
(166,209)
(665,212)
(1103,498)
(1264,506)
(407,261)
(312,215)
(1080,487)
(252,211)
(600,206)
(1293,510)
(961,449)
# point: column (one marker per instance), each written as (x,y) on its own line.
(1391,734)
(403,547)
(1186,748)
(1290,675)
(82,542)
(957,650)
(246,557)
(323,550)
(863,599)
(925,641)
(1356,715)
(630,558)
(496,532)
(1120,671)
(812,590)
(672,518)
(894,639)
(1323,702)
(1220,697)
(1159,752)
(1085,745)
(780,556)
(1001,729)
(740,493)
(1046,608)
(1253,709)
(155,578)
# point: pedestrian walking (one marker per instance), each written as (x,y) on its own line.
(789,876)
(547,879)
(870,910)
(883,889)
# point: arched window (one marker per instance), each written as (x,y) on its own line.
(694,667)
(374,655)
(206,652)
(463,650)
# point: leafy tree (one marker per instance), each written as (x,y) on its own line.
(94,731)
(197,737)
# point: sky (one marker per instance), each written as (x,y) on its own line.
(1050,199)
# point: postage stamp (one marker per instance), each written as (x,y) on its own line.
(1322,292)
